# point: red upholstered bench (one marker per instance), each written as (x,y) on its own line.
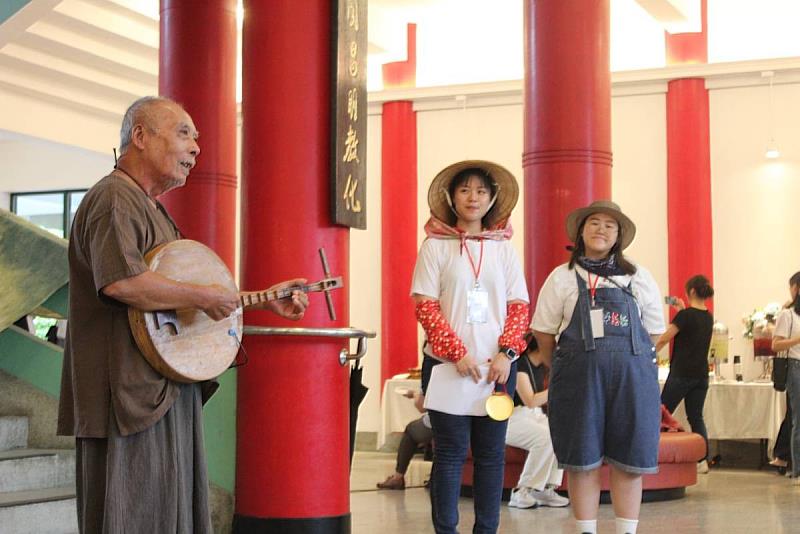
(678,453)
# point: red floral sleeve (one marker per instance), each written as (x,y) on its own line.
(444,341)
(513,335)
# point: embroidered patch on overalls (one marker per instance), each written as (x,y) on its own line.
(617,319)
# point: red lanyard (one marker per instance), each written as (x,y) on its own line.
(476,272)
(592,285)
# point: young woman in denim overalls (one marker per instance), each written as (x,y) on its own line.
(604,401)
(472,301)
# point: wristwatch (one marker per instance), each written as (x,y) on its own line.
(510,353)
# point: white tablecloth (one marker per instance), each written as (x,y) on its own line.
(741,410)
(733,410)
(396,410)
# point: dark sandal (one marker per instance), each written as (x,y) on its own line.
(392,483)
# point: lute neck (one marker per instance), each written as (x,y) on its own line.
(252,298)
(249,299)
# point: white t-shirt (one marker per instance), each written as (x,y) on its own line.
(559,294)
(787,325)
(443,273)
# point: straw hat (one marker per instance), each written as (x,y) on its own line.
(507,191)
(626,226)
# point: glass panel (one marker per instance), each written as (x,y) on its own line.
(74,201)
(44,209)
(42,326)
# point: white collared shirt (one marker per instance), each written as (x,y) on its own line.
(559,295)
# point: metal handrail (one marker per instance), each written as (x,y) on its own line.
(349,333)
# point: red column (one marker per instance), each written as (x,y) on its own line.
(688,164)
(193,34)
(399,350)
(292,461)
(567,143)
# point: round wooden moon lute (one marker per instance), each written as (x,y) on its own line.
(187,345)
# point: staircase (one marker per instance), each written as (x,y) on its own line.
(37,486)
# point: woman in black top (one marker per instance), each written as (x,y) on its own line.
(688,372)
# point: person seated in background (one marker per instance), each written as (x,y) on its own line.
(417,435)
(529,429)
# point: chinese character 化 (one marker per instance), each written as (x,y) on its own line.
(351,203)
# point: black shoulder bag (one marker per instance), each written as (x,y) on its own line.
(780,364)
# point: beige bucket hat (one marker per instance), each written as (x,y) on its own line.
(576,218)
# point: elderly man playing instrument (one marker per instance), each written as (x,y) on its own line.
(139,436)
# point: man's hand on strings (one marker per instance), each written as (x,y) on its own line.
(293,307)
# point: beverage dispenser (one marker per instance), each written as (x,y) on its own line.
(718,349)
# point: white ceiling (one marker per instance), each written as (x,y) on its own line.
(93,57)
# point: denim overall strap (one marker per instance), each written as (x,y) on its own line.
(583,308)
(636,325)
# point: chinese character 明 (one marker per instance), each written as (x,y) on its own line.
(352,104)
(352,14)
(351,146)
(351,203)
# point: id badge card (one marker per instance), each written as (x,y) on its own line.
(596,316)
(477,305)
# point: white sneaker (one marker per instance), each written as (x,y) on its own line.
(702,467)
(522,498)
(549,497)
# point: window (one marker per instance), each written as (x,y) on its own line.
(52,210)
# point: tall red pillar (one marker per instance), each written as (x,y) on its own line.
(204,33)
(688,164)
(567,130)
(292,461)
(399,350)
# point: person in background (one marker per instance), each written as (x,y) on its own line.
(528,429)
(603,403)
(691,328)
(782,451)
(786,337)
(417,435)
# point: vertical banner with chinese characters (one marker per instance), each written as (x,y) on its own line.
(349,166)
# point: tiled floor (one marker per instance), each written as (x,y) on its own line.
(724,501)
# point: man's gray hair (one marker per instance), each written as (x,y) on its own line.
(134,115)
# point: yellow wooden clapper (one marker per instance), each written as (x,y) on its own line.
(499,405)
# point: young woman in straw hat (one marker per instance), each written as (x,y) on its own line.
(472,302)
(604,405)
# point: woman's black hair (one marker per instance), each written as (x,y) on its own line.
(795,281)
(701,285)
(532,344)
(580,250)
(462,178)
